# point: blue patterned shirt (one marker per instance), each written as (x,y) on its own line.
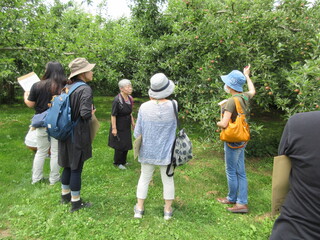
(157,124)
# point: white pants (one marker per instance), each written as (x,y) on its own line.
(145,178)
(43,146)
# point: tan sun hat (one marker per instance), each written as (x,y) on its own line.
(80,65)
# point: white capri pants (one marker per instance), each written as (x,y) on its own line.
(43,146)
(145,178)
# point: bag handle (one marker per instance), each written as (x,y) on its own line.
(238,106)
(171,166)
(176,113)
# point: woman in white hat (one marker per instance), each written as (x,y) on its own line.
(157,124)
(77,148)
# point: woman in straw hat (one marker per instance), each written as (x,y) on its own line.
(77,148)
(156,123)
(39,97)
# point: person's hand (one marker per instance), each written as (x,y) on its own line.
(246,70)
(93,109)
(114,132)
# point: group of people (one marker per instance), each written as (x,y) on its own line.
(156,124)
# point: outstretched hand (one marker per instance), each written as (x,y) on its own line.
(246,70)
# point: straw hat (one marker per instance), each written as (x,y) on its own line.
(80,65)
(160,86)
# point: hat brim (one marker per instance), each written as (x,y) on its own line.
(163,94)
(226,80)
(88,68)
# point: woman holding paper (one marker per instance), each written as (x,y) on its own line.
(38,98)
(234,152)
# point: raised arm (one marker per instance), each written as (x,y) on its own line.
(246,72)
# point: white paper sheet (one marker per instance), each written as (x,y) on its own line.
(28,80)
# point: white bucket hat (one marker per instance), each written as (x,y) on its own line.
(160,86)
(79,65)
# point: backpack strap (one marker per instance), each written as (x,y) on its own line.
(74,87)
(71,90)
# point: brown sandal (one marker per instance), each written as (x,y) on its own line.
(224,201)
(239,209)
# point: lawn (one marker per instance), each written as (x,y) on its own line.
(34,212)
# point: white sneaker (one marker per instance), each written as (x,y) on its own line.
(122,167)
(137,213)
(167,215)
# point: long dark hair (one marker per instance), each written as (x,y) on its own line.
(55,73)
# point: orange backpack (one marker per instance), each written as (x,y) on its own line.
(237,131)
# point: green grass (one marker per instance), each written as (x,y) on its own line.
(33,211)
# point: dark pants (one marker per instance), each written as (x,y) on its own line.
(120,157)
(72,177)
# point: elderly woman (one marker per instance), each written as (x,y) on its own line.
(157,125)
(121,122)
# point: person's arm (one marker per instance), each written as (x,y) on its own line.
(138,127)
(29,103)
(114,125)
(225,120)
(246,73)
(85,102)
(284,142)
(132,121)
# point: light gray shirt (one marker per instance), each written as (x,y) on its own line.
(157,124)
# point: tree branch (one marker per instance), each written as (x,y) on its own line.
(30,49)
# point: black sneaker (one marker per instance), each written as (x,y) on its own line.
(65,198)
(75,206)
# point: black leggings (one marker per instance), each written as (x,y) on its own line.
(72,177)
(120,157)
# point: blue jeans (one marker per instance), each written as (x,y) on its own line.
(236,175)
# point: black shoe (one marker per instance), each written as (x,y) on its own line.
(75,206)
(66,198)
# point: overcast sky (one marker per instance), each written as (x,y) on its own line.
(114,8)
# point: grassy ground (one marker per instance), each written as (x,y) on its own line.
(33,211)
